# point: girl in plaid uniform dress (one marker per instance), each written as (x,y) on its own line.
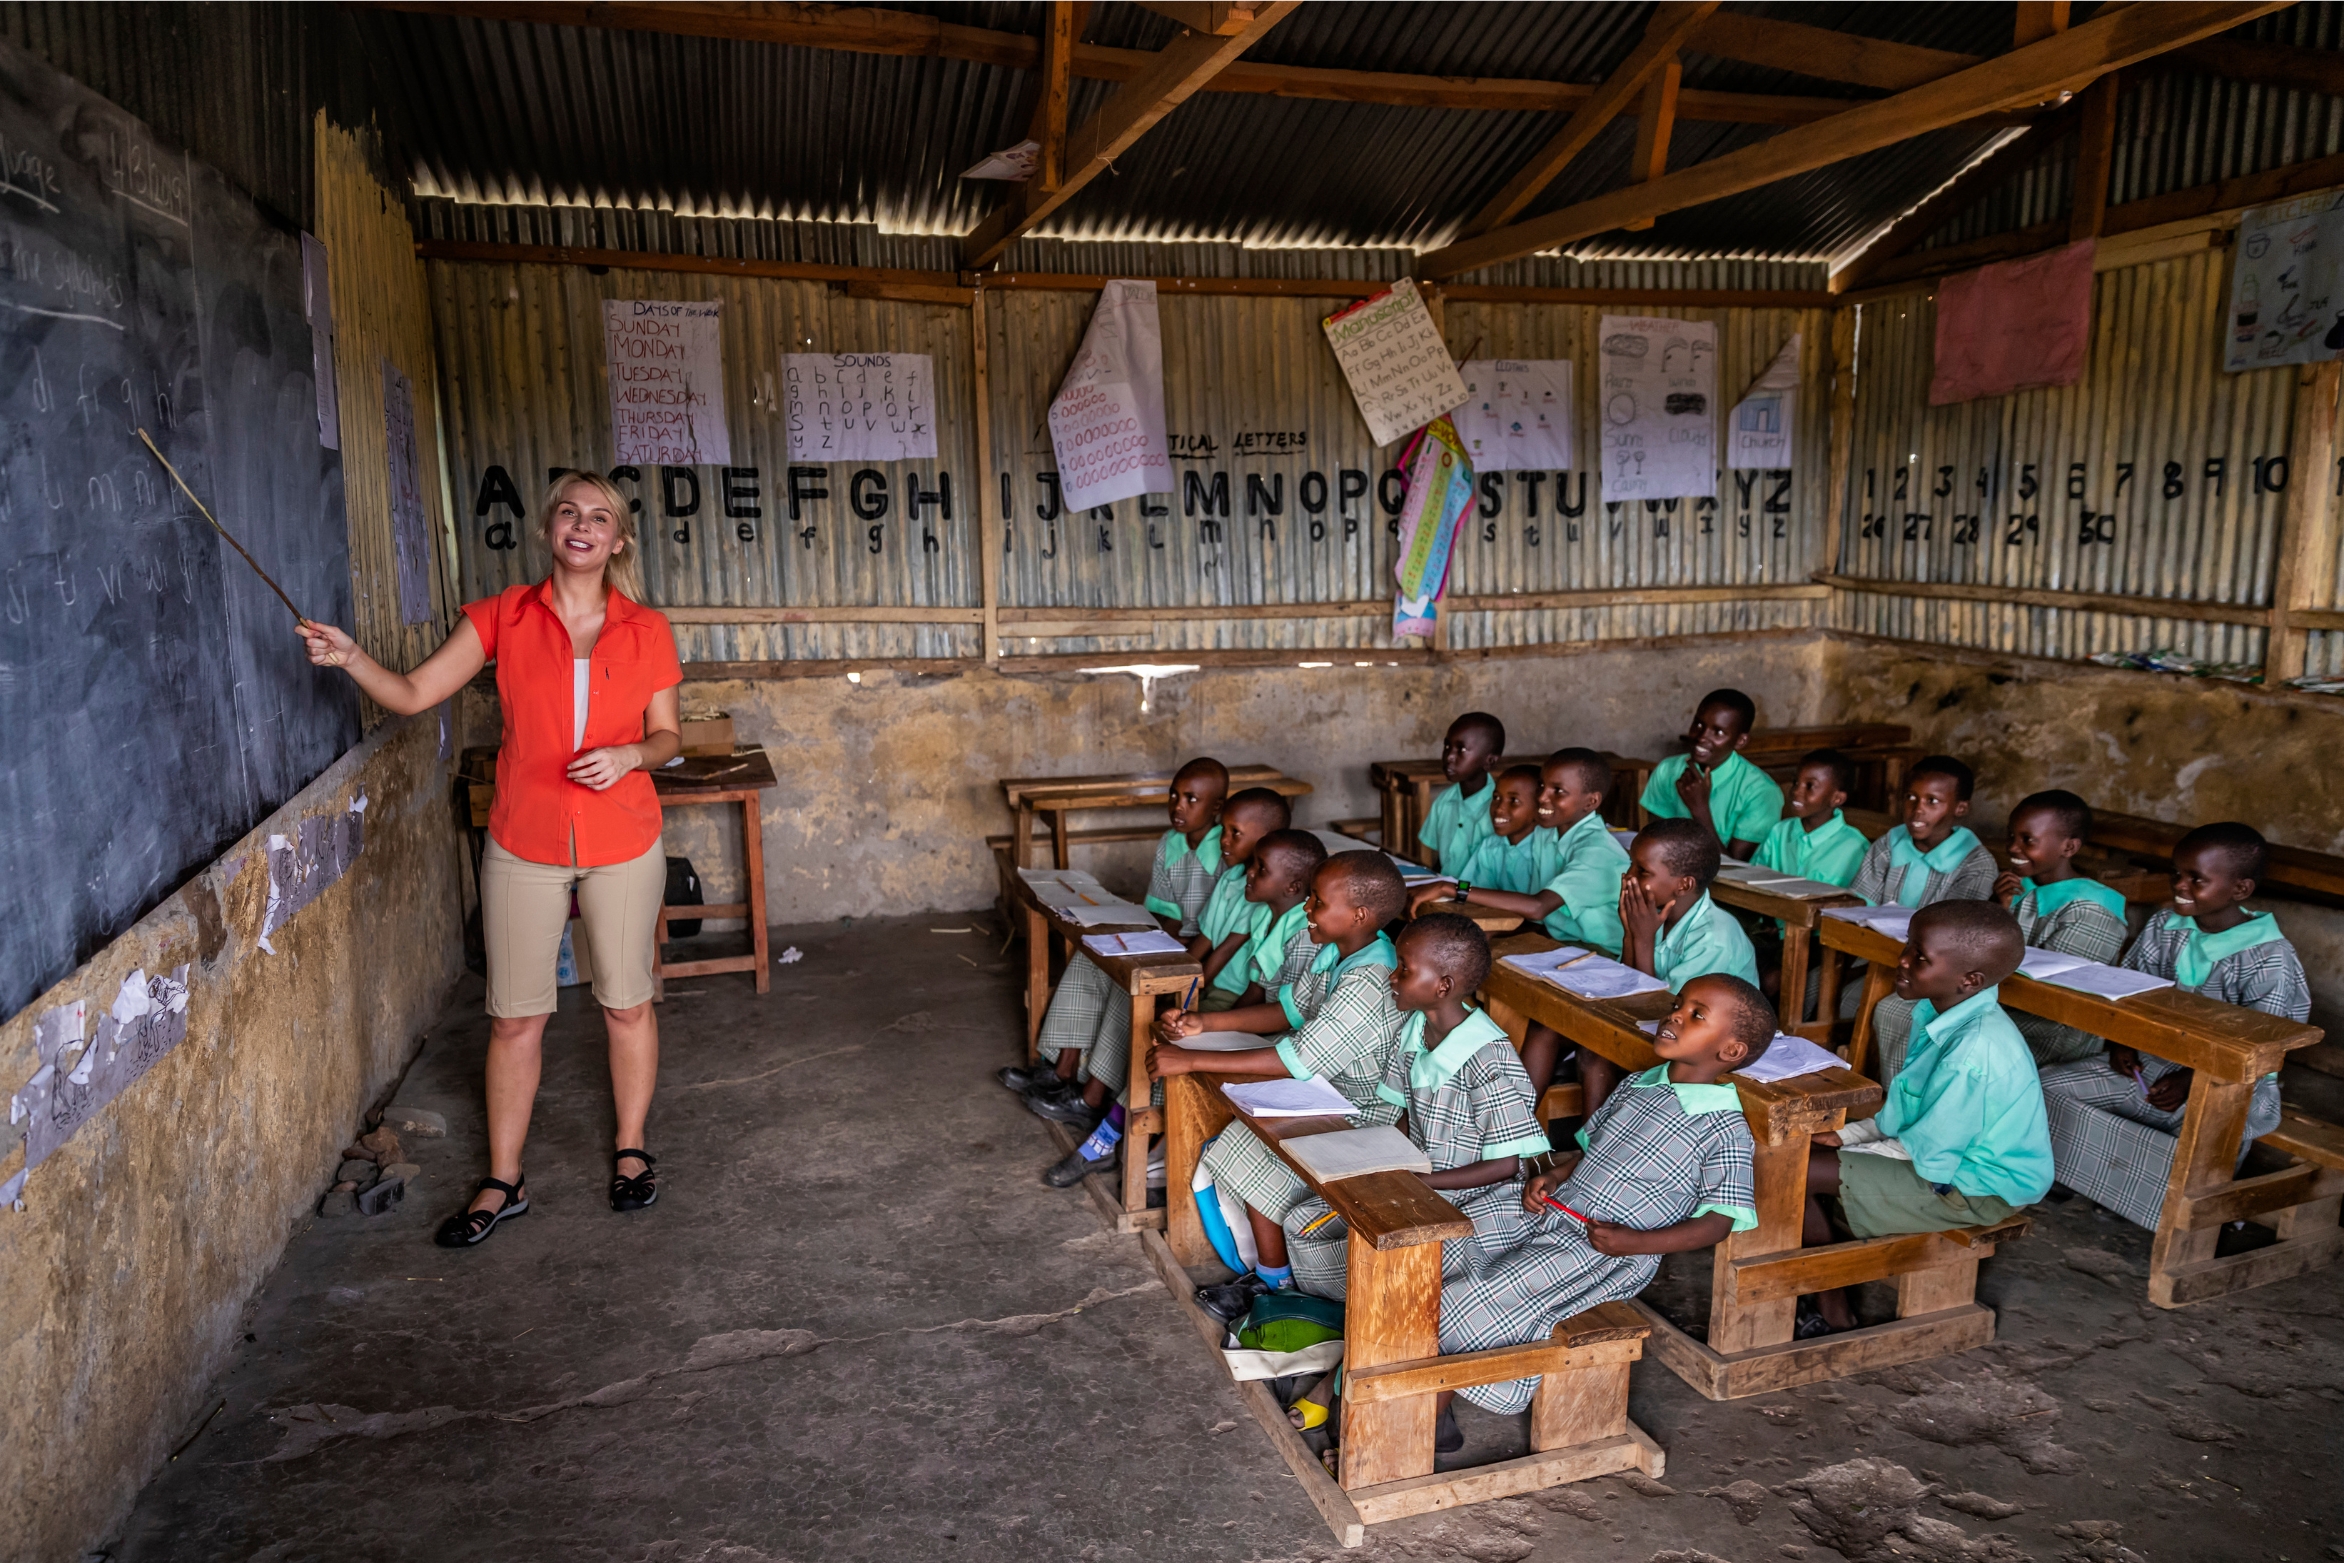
(1468,1104)
(2113,1119)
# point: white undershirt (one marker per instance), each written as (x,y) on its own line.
(578,666)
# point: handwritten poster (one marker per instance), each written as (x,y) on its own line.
(666,383)
(1517,414)
(409,538)
(1659,388)
(1107,420)
(1395,361)
(860,406)
(1758,434)
(2286,294)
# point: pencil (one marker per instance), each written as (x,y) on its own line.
(1320,1222)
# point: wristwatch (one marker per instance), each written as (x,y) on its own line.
(1464,890)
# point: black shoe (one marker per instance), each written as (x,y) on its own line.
(2058,1194)
(1069,1109)
(1047,1086)
(1232,1300)
(1067,1173)
(1447,1436)
(637,1192)
(468,1227)
(1024,1077)
(1811,1325)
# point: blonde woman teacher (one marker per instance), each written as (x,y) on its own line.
(587,678)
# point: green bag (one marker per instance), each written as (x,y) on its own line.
(1290,1320)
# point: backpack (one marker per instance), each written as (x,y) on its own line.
(1289,1320)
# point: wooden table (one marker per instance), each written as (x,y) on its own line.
(2319,875)
(1392,1362)
(1798,915)
(1757,1276)
(2231,1048)
(734,778)
(1143,978)
(1407,788)
(1055,797)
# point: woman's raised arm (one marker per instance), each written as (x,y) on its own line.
(403,694)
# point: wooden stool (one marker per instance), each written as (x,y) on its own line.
(735,778)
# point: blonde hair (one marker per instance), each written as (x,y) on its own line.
(623,571)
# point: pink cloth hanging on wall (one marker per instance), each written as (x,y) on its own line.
(2017,326)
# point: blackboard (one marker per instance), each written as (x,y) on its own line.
(154,697)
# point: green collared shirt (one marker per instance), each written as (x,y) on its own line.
(1829,854)
(1456,824)
(1182,880)
(1704,940)
(1519,867)
(1589,863)
(1744,802)
(1968,1104)
(1228,912)
(1274,934)
(1328,968)
(1468,1099)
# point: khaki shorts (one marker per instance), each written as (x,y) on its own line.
(524,906)
(1884,1195)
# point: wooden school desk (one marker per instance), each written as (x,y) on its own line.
(722,778)
(2316,874)
(1407,788)
(1055,797)
(1392,1361)
(2230,1048)
(1143,978)
(1881,750)
(1757,1277)
(1798,913)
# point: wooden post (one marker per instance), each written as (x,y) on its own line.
(753,848)
(2205,1156)
(1779,1175)
(1037,940)
(1393,1315)
(2305,577)
(988,521)
(2095,150)
(2038,20)
(1843,435)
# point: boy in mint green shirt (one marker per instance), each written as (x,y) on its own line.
(1815,840)
(1962,1139)
(1226,923)
(1711,784)
(1515,854)
(1458,820)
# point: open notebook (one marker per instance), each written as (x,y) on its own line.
(1354,1153)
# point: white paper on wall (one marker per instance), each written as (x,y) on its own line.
(1107,420)
(1758,433)
(2287,287)
(1395,361)
(1659,387)
(1517,414)
(860,406)
(666,383)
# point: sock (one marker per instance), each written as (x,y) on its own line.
(1279,1276)
(1102,1140)
(1115,1116)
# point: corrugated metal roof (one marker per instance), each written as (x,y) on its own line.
(511,112)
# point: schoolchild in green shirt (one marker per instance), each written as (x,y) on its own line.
(1225,926)
(1711,784)
(1459,817)
(2059,907)
(1814,839)
(1962,1139)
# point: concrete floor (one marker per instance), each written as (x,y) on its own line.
(857,1326)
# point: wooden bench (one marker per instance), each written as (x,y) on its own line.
(1053,798)
(1143,979)
(1882,752)
(1756,1277)
(1407,788)
(2139,886)
(2313,875)
(2230,1048)
(1392,1362)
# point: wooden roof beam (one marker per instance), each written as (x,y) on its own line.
(1656,122)
(2017,80)
(1955,195)
(1061,26)
(1672,22)
(1823,53)
(1216,17)
(2267,64)
(1184,65)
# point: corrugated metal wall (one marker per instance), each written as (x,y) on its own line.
(2158,475)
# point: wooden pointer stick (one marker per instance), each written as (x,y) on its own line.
(298,617)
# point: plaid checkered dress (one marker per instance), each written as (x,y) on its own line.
(1088,1012)
(1656,1154)
(2107,1143)
(1467,1100)
(2081,927)
(1345,1039)
(1879,879)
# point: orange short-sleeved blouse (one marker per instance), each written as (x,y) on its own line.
(540,813)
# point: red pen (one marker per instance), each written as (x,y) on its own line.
(1566,1210)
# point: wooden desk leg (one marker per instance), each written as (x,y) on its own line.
(1021,844)
(1780,1177)
(753,847)
(1136,1113)
(1826,998)
(1390,827)
(659,950)
(1394,1315)
(2205,1156)
(1193,1113)
(1794,978)
(1037,995)
(1878,979)
(1058,848)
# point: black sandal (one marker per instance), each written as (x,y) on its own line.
(637,1192)
(467,1227)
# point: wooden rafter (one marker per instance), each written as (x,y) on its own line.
(1823,53)
(2038,20)
(1957,193)
(2023,77)
(877,31)
(1656,122)
(1061,25)
(1216,17)
(2094,154)
(2267,64)
(1184,65)
(1672,22)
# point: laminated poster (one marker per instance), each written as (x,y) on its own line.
(860,406)
(1659,389)
(666,383)
(1440,490)
(2285,303)
(1393,357)
(1759,434)
(1107,420)
(1517,414)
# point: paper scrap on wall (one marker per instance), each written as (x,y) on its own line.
(666,383)
(2287,285)
(1516,416)
(860,406)
(1659,389)
(1393,357)
(79,1074)
(409,537)
(1761,430)
(303,865)
(1440,491)
(1107,420)
(317,306)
